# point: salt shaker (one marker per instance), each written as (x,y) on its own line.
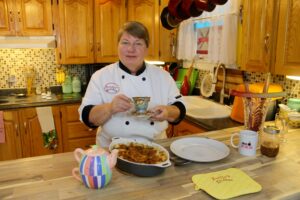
(270,141)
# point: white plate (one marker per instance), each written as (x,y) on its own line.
(199,149)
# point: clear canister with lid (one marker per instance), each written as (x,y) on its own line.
(270,141)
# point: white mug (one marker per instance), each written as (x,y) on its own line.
(248,142)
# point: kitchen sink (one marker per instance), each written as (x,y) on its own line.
(3,101)
(201,108)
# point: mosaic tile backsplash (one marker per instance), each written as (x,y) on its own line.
(15,61)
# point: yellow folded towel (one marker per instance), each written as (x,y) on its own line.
(226,184)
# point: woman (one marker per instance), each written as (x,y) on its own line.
(107,102)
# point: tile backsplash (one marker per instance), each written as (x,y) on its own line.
(15,61)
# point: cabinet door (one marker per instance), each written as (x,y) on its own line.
(32,136)
(34,17)
(109,17)
(75,133)
(257,35)
(12,148)
(147,12)
(186,128)
(7,18)
(288,41)
(75,31)
(167,40)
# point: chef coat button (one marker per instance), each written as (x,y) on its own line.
(144,78)
(151,123)
(127,123)
(123,77)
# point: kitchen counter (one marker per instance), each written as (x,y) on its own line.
(213,124)
(13,102)
(49,177)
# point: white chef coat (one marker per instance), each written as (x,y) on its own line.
(111,81)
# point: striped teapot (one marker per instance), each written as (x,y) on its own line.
(95,166)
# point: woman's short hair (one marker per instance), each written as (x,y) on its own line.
(135,29)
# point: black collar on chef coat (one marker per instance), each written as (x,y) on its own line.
(141,70)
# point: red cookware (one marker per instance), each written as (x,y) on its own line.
(205,5)
(185,8)
(167,20)
(194,11)
(173,6)
(219,2)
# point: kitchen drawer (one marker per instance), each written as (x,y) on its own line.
(78,129)
(71,113)
(83,143)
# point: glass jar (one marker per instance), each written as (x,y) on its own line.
(270,141)
(76,84)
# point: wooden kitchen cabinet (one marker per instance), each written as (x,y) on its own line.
(147,12)
(24,135)
(87,30)
(271,36)
(12,148)
(109,17)
(162,41)
(25,18)
(75,133)
(287,60)
(257,37)
(186,127)
(74,31)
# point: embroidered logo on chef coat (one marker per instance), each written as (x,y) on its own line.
(111,88)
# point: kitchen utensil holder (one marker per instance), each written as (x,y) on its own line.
(255,107)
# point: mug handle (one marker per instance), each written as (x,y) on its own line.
(78,153)
(231,140)
(75,173)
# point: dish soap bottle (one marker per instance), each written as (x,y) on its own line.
(76,84)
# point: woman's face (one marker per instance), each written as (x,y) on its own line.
(132,51)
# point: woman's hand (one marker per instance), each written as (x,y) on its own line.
(161,113)
(120,103)
(101,113)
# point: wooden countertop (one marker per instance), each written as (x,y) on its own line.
(49,177)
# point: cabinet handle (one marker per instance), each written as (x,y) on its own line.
(90,129)
(92,49)
(19,16)
(17,131)
(25,126)
(11,16)
(98,47)
(267,37)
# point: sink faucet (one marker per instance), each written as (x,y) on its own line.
(222,93)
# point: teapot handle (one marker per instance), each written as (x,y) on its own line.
(75,173)
(78,153)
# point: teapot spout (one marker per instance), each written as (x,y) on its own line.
(112,158)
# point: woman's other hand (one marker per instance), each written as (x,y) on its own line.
(161,113)
(120,103)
